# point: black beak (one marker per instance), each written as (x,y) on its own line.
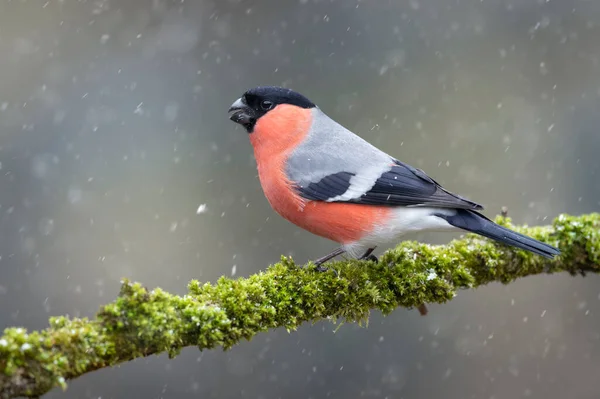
(241,113)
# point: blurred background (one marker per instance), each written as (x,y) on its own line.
(117,159)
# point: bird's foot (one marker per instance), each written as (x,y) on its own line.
(322,269)
(319,262)
(371,258)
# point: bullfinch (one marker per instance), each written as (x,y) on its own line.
(329,181)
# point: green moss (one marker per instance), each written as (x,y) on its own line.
(142,322)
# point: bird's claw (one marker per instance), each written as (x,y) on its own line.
(321,269)
(371,257)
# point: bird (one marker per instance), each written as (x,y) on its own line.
(324,178)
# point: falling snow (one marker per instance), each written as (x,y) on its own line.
(113,123)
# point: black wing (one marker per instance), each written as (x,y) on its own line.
(403,185)
(328,187)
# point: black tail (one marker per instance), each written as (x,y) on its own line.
(477,223)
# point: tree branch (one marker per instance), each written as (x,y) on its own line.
(141,322)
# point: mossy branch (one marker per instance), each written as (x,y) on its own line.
(141,322)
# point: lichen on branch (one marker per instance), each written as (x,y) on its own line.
(142,322)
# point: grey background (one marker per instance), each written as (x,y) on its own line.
(113,130)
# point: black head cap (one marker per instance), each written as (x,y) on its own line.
(256,102)
(276,95)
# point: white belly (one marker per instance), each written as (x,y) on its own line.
(404,220)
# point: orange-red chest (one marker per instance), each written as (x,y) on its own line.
(274,138)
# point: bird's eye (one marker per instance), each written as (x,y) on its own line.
(266,105)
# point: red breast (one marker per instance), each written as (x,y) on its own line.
(275,136)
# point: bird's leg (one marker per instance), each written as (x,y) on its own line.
(369,255)
(319,262)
